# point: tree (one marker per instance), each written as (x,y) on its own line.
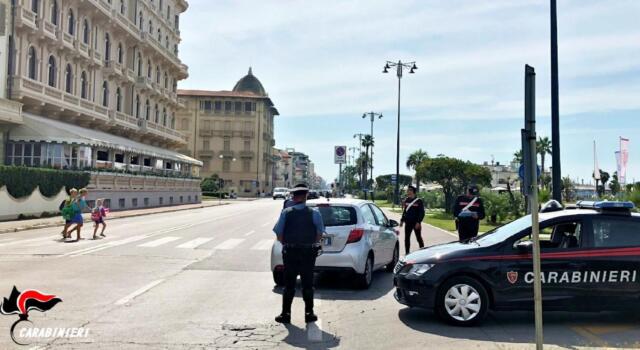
(567,189)
(614,185)
(517,156)
(543,147)
(211,184)
(454,175)
(361,167)
(415,159)
(604,177)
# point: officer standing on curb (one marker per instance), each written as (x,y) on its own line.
(299,229)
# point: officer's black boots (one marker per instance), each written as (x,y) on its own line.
(310,317)
(283,318)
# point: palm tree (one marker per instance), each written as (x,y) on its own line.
(415,159)
(517,156)
(543,147)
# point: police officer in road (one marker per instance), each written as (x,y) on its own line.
(412,216)
(299,229)
(468,210)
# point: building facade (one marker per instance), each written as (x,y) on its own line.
(97,80)
(282,169)
(502,174)
(232,133)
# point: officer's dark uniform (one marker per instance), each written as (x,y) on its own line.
(299,227)
(468,226)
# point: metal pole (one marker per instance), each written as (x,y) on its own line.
(371,158)
(397,187)
(555,108)
(530,129)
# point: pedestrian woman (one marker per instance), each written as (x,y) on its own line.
(66,209)
(412,216)
(78,205)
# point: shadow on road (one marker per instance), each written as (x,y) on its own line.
(311,337)
(342,286)
(565,329)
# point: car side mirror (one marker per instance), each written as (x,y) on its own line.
(393,223)
(524,246)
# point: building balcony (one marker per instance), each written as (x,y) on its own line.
(96,57)
(246,154)
(205,133)
(143,83)
(113,68)
(25,18)
(131,75)
(206,154)
(155,89)
(226,154)
(46,29)
(84,50)
(10,111)
(66,40)
(165,132)
(122,119)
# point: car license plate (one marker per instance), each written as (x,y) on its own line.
(326,241)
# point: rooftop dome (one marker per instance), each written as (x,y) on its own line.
(249,83)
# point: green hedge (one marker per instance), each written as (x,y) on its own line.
(21,181)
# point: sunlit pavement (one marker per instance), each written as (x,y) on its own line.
(200,279)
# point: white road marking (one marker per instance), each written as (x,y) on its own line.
(158,242)
(192,244)
(263,244)
(442,230)
(138,292)
(249,233)
(229,244)
(27,240)
(7,239)
(266,224)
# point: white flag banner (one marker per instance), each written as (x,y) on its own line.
(624,159)
(596,169)
(618,165)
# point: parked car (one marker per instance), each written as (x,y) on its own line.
(359,239)
(313,194)
(280,192)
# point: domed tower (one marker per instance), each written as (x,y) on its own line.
(249,83)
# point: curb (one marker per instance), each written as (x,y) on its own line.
(38,226)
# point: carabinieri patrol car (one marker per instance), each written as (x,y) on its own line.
(590,258)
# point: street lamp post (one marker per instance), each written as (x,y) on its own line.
(372,116)
(400,67)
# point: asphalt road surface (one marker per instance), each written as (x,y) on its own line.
(200,279)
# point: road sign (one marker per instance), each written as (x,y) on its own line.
(521,172)
(340,154)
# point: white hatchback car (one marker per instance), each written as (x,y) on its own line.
(359,238)
(280,192)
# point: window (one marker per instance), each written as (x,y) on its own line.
(166,42)
(227,144)
(207,106)
(157,119)
(71,23)
(205,145)
(157,75)
(247,107)
(102,156)
(83,85)
(227,106)
(134,160)
(381,219)
(181,199)
(238,107)
(146,201)
(615,232)
(226,165)
(105,94)
(368,215)
(137,106)
(68,79)
(120,53)
(164,116)
(338,216)
(147,110)
(146,162)
(107,47)
(32,64)
(140,21)
(149,68)
(168,166)
(246,165)
(119,158)
(247,145)
(161,200)
(139,64)
(134,202)
(35,6)
(166,80)
(118,100)
(54,12)
(176,22)
(218,106)
(121,203)
(151,27)
(85,32)
(52,71)
(122,7)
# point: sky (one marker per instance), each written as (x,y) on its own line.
(321,64)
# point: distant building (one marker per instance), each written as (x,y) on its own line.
(232,133)
(502,174)
(282,169)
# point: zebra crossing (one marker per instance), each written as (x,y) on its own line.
(140,241)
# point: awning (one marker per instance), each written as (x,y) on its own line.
(41,129)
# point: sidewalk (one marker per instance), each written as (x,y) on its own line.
(22,225)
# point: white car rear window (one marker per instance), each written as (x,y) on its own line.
(337,215)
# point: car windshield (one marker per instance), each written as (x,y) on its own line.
(337,215)
(280,189)
(500,234)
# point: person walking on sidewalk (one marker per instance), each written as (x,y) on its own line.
(412,216)
(66,210)
(78,205)
(97,216)
(299,229)
(468,210)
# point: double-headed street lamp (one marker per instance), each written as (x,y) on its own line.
(372,116)
(400,67)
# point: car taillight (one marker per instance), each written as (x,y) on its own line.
(355,235)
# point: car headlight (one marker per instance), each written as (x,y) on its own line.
(419,269)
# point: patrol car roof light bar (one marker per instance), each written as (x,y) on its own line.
(531,188)
(606,205)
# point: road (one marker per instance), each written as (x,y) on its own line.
(200,279)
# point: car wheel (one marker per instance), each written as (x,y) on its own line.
(363,281)
(462,301)
(278,278)
(394,261)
